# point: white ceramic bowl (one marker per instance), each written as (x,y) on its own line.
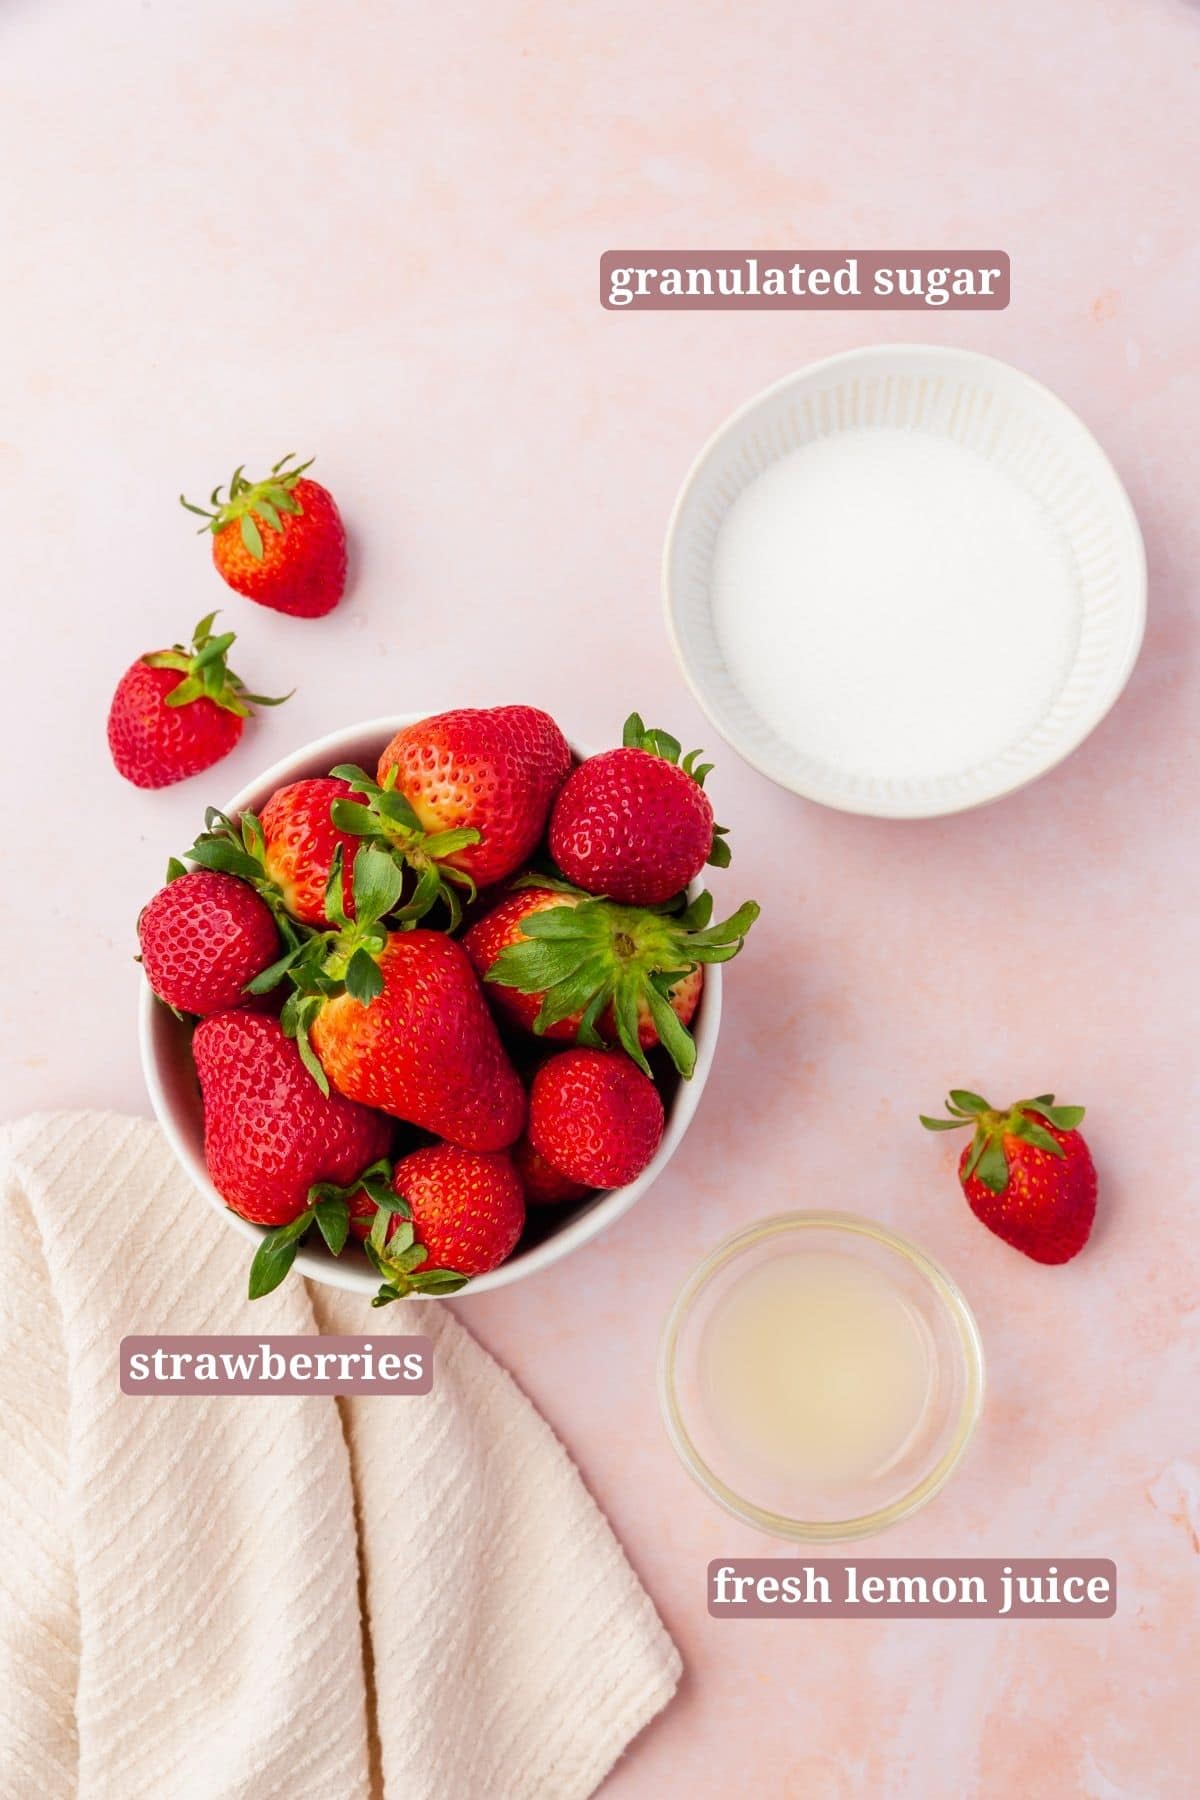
(175,1094)
(904,581)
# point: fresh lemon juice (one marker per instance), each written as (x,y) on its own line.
(820,1366)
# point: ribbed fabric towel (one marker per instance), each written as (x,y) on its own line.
(218,1598)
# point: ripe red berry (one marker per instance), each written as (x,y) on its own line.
(635,824)
(1027,1173)
(595,1117)
(202,938)
(421,1044)
(467,1210)
(299,843)
(492,771)
(552,957)
(177,712)
(269,1132)
(279,541)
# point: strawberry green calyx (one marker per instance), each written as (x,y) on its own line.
(350,951)
(988,1159)
(636,736)
(206,675)
(253,505)
(385,818)
(344,960)
(596,953)
(395,1257)
(329,1209)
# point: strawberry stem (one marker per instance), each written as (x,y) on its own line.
(329,1209)
(397,1254)
(988,1159)
(592,954)
(251,505)
(385,818)
(206,675)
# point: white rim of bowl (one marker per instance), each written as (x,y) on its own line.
(1123,505)
(600,1213)
(967,1338)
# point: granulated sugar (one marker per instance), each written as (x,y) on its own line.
(894,605)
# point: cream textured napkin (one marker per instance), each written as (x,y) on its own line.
(210,1598)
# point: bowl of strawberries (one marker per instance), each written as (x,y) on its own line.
(433,1001)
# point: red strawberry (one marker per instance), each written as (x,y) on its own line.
(299,843)
(202,938)
(269,1133)
(280,541)
(494,770)
(567,965)
(310,828)
(179,711)
(594,1117)
(635,824)
(411,1033)
(1027,1173)
(462,1215)
(543,1185)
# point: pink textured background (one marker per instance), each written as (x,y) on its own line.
(372,231)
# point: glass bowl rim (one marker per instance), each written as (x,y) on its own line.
(970,1357)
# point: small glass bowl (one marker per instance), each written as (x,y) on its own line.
(829,1510)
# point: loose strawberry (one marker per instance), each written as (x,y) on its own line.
(455,1214)
(635,824)
(567,965)
(269,1133)
(179,711)
(494,770)
(280,541)
(543,1185)
(203,938)
(1027,1173)
(396,1018)
(594,1117)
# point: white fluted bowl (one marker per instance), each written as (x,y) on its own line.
(904,581)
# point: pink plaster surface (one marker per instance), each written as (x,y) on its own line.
(372,231)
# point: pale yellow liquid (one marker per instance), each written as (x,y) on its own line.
(818,1365)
